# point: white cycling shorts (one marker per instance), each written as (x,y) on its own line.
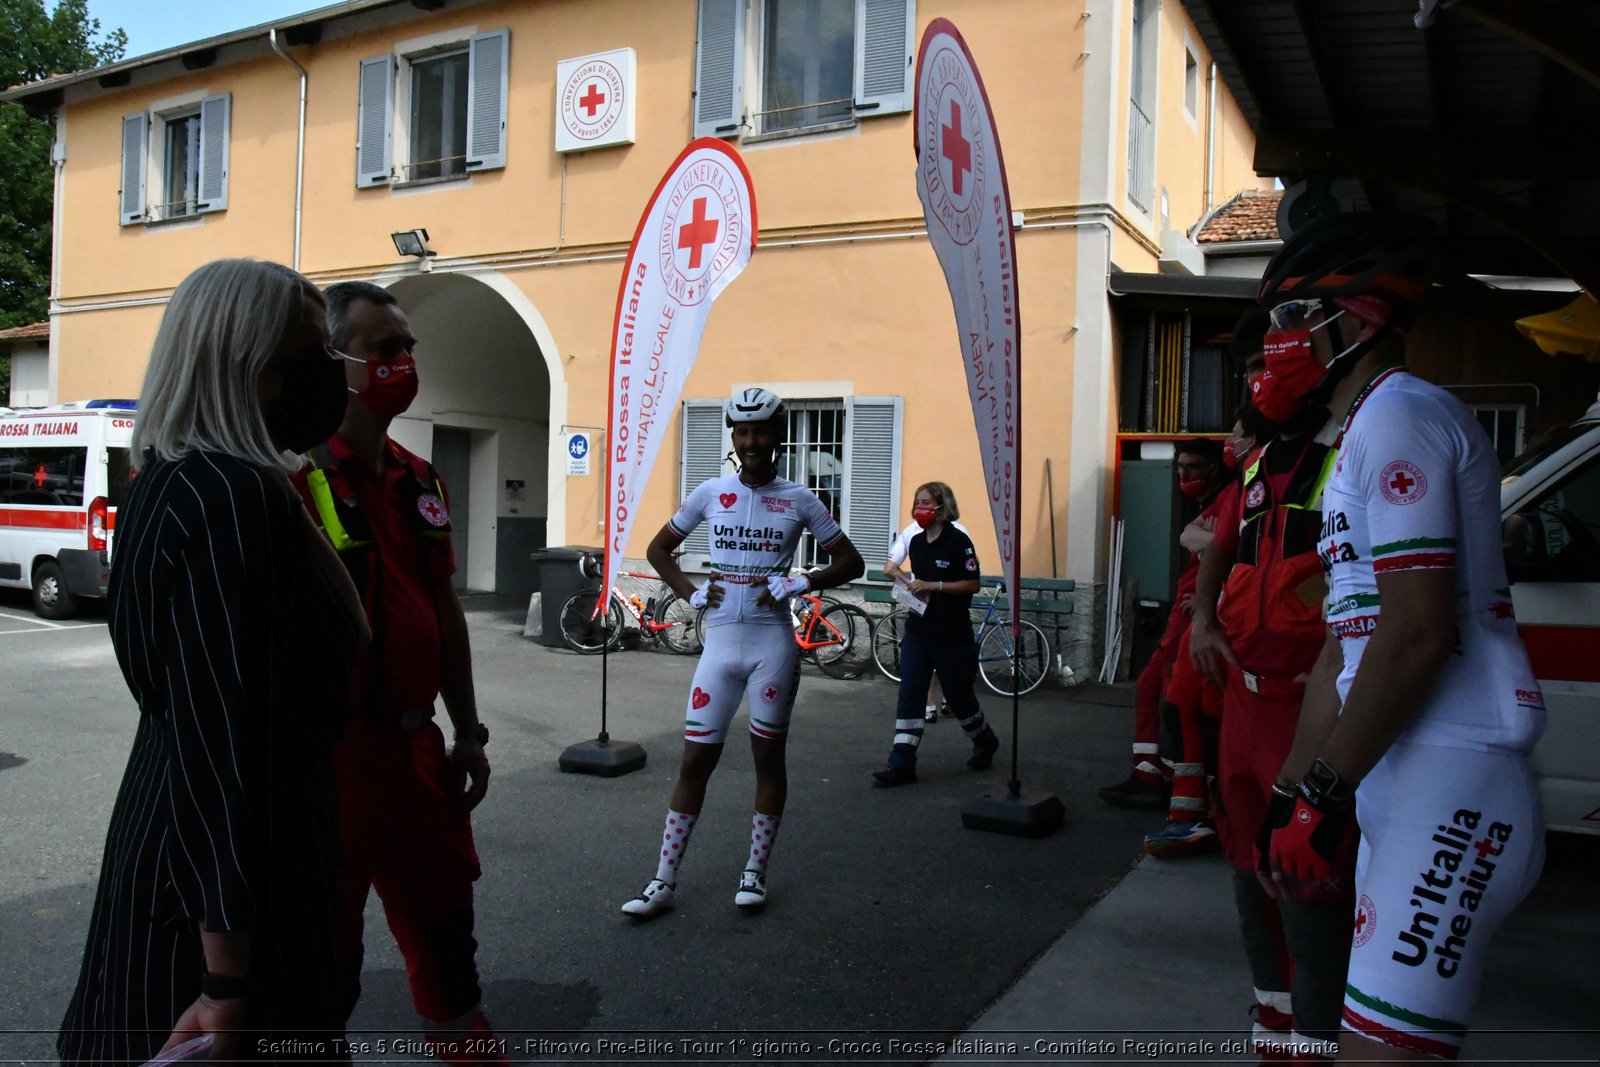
(1452,840)
(763,661)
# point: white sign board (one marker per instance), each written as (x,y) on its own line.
(594,101)
(578,448)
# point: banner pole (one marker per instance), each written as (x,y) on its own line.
(605,678)
(1016,713)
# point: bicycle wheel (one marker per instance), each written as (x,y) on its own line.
(586,634)
(848,631)
(995,663)
(886,637)
(682,635)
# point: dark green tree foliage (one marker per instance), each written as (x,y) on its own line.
(34,44)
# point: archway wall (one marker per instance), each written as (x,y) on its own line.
(482,370)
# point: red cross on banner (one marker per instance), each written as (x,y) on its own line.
(697,233)
(591,99)
(956,148)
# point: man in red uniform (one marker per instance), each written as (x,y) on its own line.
(404,796)
(1259,643)
(1200,474)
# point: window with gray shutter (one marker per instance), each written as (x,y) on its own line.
(719,68)
(486,100)
(885,52)
(215,114)
(130,199)
(872,472)
(373,120)
(705,442)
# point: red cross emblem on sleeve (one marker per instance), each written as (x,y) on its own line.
(433,510)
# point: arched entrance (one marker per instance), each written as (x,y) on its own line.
(482,416)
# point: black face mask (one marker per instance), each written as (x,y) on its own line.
(311,406)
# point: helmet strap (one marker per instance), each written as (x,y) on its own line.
(1341,365)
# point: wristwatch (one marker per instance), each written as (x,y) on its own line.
(476,732)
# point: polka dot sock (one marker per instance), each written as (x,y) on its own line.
(763,833)
(674,843)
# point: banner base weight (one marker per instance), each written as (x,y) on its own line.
(1027,814)
(607,759)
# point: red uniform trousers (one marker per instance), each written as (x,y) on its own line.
(1147,695)
(1196,704)
(405,832)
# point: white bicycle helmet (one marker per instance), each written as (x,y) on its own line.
(753,405)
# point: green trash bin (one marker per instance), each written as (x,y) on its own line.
(561,577)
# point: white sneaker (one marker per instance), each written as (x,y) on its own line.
(653,899)
(752,894)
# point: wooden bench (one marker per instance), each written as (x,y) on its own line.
(1038,594)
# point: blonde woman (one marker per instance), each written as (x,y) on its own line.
(938,640)
(234,629)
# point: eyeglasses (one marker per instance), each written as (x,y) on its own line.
(1293,314)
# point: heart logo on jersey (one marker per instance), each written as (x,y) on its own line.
(700,698)
(728,499)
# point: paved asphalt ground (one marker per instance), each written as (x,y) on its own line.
(887,921)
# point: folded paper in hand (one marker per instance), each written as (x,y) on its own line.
(907,599)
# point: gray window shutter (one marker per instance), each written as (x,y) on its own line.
(872,473)
(886,40)
(719,68)
(704,446)
(130,201)
(215,115)
(373,120)
(487,80)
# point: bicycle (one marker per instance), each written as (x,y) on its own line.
(835,636)
(995,646)
(666,617)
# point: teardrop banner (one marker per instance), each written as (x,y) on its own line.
(961,180)
(696,235)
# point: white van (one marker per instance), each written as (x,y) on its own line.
(63,473)
(1550,507)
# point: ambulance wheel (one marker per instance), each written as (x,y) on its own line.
(50,597)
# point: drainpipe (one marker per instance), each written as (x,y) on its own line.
(1211,131)
(300,143)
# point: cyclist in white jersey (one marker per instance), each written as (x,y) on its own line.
(1422,707)
(754,519)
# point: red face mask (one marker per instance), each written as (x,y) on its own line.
(1292,373)
(1232,449)
(1192,487)
(391,385)
(924,514)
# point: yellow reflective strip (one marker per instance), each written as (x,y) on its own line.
(322,497)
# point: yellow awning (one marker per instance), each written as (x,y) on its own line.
(1574,328)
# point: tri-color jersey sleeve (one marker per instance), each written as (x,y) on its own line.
(1405,471)
(689,517)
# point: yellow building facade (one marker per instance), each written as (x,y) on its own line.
(1117,138)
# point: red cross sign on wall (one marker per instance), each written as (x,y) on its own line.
(697,233)
(956,148)
(591,99)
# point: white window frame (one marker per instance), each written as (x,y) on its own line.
(1496,407)
(156,181)
(756,76)
(1191,82)
(406,53)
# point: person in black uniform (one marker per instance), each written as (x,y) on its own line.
(234,626)
(939,639)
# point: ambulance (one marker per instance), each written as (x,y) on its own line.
(63,472)
(1550,512)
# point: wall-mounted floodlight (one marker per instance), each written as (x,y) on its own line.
(412,243)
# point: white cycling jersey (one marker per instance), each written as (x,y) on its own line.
(1417,486)
(753,534)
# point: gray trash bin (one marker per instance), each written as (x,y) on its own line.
(560,579)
